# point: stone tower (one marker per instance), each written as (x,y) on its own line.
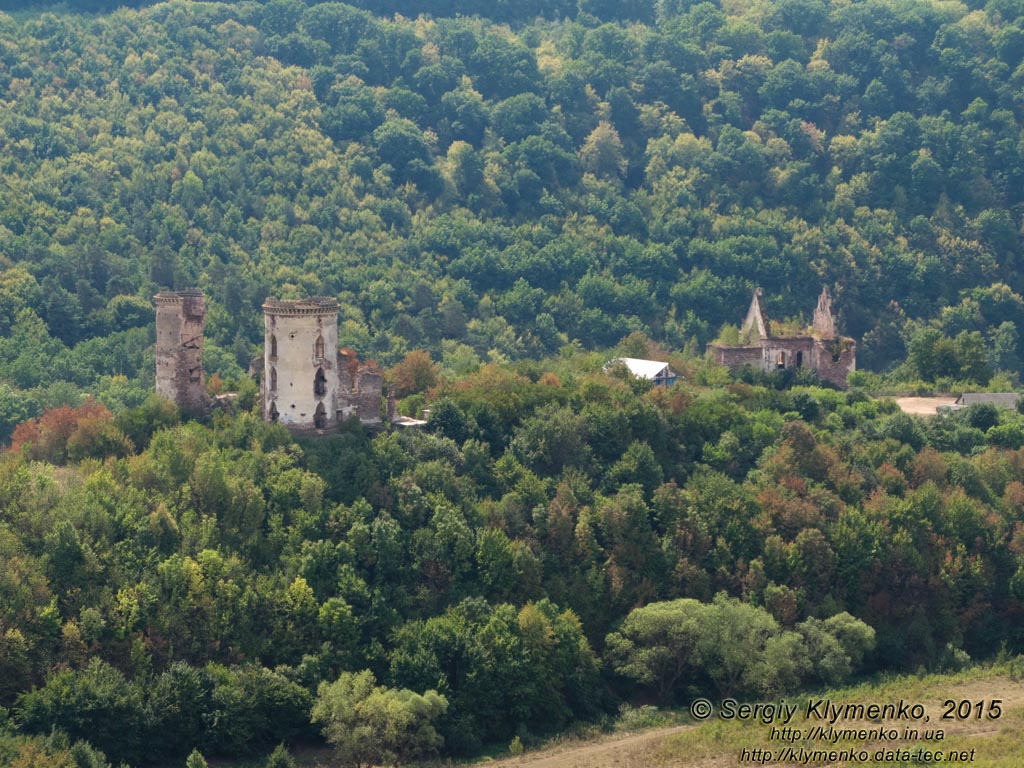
(300,378)
(180,318)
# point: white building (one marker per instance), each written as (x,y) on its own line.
(652,370)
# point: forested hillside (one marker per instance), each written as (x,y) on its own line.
(506,192)
(496,192)
(168,587)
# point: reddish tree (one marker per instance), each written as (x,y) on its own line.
(415,373)
(87,430)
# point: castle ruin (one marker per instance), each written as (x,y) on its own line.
(823,350)
(180,320)
(307,383)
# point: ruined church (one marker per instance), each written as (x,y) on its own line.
(306,382)
(822,349)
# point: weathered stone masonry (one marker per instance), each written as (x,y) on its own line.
(300,381)
(823,350)
(308,384)
(180,320)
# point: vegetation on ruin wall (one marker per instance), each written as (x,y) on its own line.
(169,587)
(486,191)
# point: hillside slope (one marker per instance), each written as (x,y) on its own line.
(993,742)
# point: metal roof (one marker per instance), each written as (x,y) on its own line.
(645,369)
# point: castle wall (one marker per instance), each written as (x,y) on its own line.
(300,379)
(180,322)
(360,388)
(835,359)
(795,352)
(368,397)
(737,357)
(831,356)
(832,359)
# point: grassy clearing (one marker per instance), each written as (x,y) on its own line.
(977,742)
(717,743)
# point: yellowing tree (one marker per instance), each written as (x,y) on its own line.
(372,725)
(601,154)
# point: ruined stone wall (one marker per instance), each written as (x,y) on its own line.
(360,388)
(367,397)
(794,352)
(734,358)
(180,322)
(300,378)
(835,359)
(831,359)
(824,321)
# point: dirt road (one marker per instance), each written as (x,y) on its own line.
(619,750)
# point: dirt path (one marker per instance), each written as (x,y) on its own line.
(620,750)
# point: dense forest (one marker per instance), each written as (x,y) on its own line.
(497,192)
(544,550)
(501,195)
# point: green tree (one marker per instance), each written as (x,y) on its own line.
(96,704)
(401,144)
(371,725)
(280,758)
(656,646)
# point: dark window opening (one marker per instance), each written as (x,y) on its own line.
(320,383)
(320,417)
(273,345)
(799,359)
(318,348)
(273,379)
(273,412)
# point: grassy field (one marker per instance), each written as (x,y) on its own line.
(673,739)
(942,736)
(963,739)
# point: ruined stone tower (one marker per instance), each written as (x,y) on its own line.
(300,378)
(180,318)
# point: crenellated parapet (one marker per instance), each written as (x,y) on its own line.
(300,377)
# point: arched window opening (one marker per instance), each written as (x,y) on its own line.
(799,359)
(273,379)
(320,416)
(273,412)
(318,348)
(320,383)
(782,361)
(273,346)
